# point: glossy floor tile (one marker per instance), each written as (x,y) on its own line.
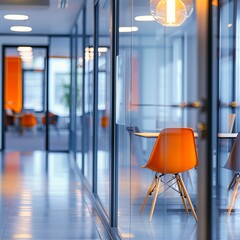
(42,198)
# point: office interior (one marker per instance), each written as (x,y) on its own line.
(108,89)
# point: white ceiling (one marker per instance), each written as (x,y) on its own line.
(43,19)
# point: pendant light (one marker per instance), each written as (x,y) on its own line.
(189,6)
(171,13)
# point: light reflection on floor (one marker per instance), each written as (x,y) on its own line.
(42,198)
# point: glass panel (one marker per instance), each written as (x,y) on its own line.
(73,92)
(157,89)
(228,119)
(123,121)
(33,90)
(104,112)
(79,88)
(24,98)
(59,93)
(88,154)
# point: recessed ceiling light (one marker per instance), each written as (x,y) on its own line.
(102,49)
(15,17)
(27,58)
(128,29)
(26,53)
(24,49)
(21,29)
(145,18)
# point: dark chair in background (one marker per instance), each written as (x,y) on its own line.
(53,121)
(233,164)
(10,119)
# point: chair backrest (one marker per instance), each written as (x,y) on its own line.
(174,151)
(28,120)
(233,162)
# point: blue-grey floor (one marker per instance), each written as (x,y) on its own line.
(42,198)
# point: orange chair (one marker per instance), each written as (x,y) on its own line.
(104,121)
(174,152)
(28,120)
(233,164)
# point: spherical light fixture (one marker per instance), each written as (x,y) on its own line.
(171,13)
(189,6)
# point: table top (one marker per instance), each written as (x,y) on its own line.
(155,135)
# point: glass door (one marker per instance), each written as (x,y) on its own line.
(161,92)
(59,94)
(24,97)
(104,107)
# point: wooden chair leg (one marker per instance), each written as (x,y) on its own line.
(154,198)
(232,181)
(150,189)
(182,195)
(188,198)
(234,194)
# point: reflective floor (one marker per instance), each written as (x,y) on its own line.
(42,198)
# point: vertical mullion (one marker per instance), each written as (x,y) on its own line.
(83,88)
(75,92)
(95,96)
(114,17)
(3,97)
(206,143)
(70,142)
(47,85)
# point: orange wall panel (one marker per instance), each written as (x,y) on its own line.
(13,83)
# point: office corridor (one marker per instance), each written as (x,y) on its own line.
(42,198)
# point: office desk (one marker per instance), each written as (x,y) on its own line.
(155,135)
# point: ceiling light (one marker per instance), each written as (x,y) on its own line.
(145,18)
(26,54)
(27,60)
(27,57)
(15,17)
(128,29)
(102,49)
(24,49)
(229,25)
(171,13)
(21,29)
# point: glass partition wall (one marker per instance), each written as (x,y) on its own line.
(162,109)
(157,88)
(228,157)
(103,106)
(59,93)
(24,83)
(79,102)
(88,93)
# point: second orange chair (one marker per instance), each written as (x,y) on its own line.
(28,120)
